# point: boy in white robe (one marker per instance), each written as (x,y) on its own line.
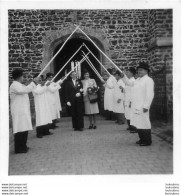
(43,116)
(128,96)
(20,110)
(119,98)
(53,98)
(109,96)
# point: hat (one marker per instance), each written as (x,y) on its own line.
(17,73)
(49,74)
(117,72)
(144,65)
(132,70)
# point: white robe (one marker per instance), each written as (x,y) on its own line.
(52,89)
(119,94)
(43,114)
(20,106)
(127,100)
(142,96)
(109,94)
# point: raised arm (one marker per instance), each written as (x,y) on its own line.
(53,87)
(18,88)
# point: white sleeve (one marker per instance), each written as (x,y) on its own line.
(22,89)
(128,81)
(110,83)
(39,89)
(149,93)
(53,87)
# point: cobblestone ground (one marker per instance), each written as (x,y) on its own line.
(110,149)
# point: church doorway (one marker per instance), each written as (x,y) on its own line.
(65,54)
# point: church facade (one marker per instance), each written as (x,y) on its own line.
(125,36)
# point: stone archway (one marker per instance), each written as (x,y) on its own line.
(54,38)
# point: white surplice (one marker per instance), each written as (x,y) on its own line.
(20,106)
(119,95)
(43,113)
(142,97)
(109,93)
(51,94)
(127,100)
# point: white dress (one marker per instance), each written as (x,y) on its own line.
(142,96)
(127,100)
(43,115)
(20,106)
(109,94)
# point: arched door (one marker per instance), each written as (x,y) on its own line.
(66,53)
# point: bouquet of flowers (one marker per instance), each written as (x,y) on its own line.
(92,94)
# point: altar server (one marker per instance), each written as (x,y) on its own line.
(109,95)
(130,72)
(53,99)
(119,98)
(142,97)
(20,110)
(42,109)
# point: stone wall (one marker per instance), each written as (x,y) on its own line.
(126,36)
(160,59)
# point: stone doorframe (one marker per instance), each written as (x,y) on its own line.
(55,37)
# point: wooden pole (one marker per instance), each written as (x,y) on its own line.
(58,51)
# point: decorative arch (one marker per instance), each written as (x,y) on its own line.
(54,38)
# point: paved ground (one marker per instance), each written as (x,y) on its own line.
(110,149)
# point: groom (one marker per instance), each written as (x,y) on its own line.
(74,99)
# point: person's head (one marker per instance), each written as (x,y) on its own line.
(49,76)
(113,71)
(17,75)
(86,75)
(109,70)
(105,76)
(42,77)
(73,75)
(130,72)
(143,69)
(117,75)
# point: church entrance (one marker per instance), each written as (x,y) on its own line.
(65,54)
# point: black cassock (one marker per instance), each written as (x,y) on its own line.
(77,105)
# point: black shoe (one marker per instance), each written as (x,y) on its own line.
(21,151)
(39,136)
(145,144)
(138,142)
(128,129)
(91,126)
(94,127)
(133,131)
(27,148)
(49,133)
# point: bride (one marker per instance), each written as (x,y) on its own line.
(90,108)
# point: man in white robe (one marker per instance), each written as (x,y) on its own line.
(43,115)
(142,97)
(119,98)
(20,110)
(53,99)
(128,95)
(109,95)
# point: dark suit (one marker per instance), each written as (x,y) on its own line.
(76,107)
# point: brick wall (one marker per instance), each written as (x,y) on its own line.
(160,59)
